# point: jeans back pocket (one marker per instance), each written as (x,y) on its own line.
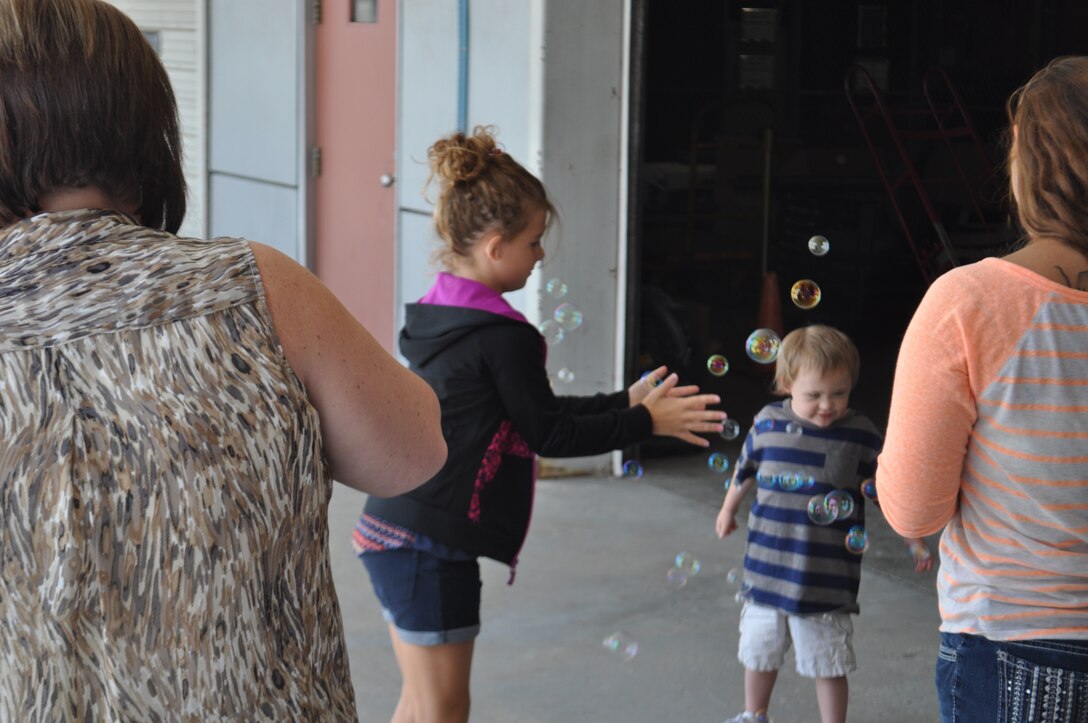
(1037,693)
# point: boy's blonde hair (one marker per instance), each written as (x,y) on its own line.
(816,347)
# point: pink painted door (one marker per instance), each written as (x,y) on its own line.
(355,126)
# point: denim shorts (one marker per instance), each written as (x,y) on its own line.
(429,600)
(821,643)
(1012,682)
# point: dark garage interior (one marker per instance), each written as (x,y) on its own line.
(757,125)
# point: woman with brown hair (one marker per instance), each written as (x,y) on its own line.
(172,412)
(987,431)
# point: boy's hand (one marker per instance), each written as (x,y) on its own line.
(726,522)
(923,558)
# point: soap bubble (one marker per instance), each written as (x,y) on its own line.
(840,502)
(868,489)
(762,345)
(632,469)
(805,294)
(717,365)
(791,482)
(650,379)
(568,316)
(730,429)
(744,593)
(556,288)
(727,483)
(818,511)
(794,429)
(819,245)
(857,540)
(565,375)
(551,331)
(764,425)
(734,576)
(717,462)
(688,563)
(919,550)
(621,645)
(675,578)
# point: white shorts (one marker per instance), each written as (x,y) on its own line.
(821,642)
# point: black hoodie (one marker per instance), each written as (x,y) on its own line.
(497,410)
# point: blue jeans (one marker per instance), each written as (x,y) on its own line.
(985,681)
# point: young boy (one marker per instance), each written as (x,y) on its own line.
(802,564)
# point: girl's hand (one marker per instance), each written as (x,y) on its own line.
(680,412)
(637,392)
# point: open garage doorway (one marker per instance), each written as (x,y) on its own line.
(758,125)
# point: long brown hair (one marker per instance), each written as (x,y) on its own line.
(85,101)
(1048,153)
(483,189)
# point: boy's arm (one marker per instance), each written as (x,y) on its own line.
(727,516)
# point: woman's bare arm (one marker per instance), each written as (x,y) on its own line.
(380,422)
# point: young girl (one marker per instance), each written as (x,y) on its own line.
(486,363)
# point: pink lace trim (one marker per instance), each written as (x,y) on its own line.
(505,441)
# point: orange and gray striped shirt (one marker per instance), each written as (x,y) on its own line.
(987,439)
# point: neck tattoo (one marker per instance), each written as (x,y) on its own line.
(1082,279)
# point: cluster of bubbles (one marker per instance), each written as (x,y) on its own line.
(740,586)
(717,365)
(685,566)
(786,482)
(566,318)
(632,469)
(835,505)
(621,645)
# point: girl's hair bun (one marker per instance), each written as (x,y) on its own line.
(461,158)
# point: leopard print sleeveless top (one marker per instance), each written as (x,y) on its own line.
(164,537)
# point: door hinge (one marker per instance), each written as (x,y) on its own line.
(315,162)
(316,11)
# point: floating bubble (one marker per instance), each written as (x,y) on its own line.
(687,563)
(621,645)
(551,331)
(805,294)
(857,540)
(565,375)
(919,550)
(868,489)
(568,316)
(734,576)
(632,469)
(818,512)
(794,429)
(650,379)
(675,578)
(762,345)
(764,425)
(717,365)
(840,502)
(717,462)
(745,591)
(810,482)
(730,429)
(791,482)
(819,245)
(556,288)
(728,482)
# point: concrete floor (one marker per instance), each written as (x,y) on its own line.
(595,564)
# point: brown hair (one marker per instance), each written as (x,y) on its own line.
(1048,153)
(816,347)
(483,189)
(84,101)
